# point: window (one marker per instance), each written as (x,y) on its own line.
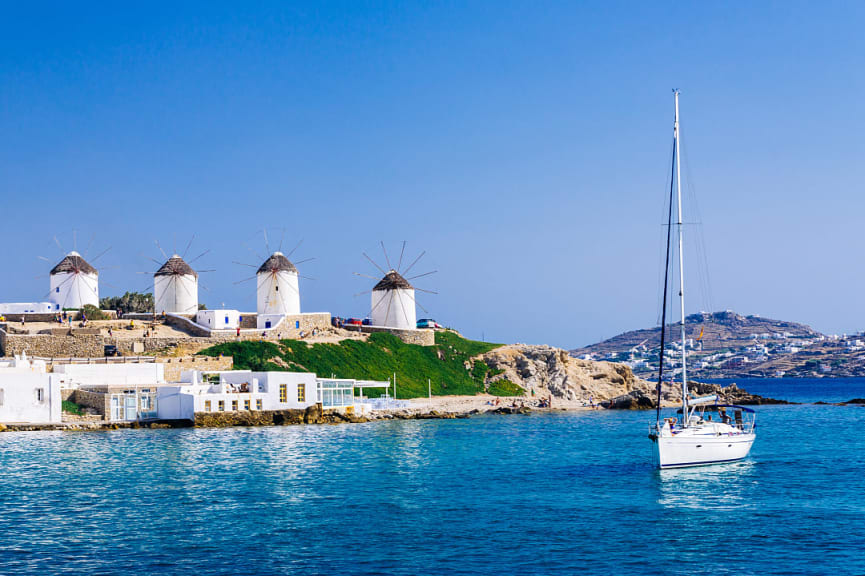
(226,319)
(258,404)
(207,405)
(301,392)
(234,405)
(246,404)
(283,393)
(222,405)
(277,288)
(267,324)
(57,289)
(40,395)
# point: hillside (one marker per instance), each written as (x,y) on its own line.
(454,366)
(735,346)
(450,366)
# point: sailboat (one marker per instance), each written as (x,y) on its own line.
(693,437)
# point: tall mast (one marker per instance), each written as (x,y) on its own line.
(676,136)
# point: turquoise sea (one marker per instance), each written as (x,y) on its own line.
(539,494)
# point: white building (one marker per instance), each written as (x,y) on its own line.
(129,390)
(235,390)
(278,293)
(74,283)
(175,288)
(94,375)
(218,319)
(28,308)
(29,395)
(393,303)
(243,390)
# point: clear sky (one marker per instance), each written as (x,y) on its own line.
(523,145)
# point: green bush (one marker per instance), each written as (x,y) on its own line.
(505,387)
(93,313)
(71,407)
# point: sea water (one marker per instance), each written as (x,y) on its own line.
(558,493)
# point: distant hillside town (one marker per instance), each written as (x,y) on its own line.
(729,345)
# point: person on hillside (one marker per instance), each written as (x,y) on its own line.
(238,331)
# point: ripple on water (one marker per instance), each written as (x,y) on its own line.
(539,494)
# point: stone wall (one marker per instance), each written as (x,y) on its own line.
(185,324)
(421,337)
(174,366)
(98,401)
(49,346)
(51,316)
(87,345)
(311,415)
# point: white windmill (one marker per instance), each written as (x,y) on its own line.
(74,283)
(175,287)
(175,283)
(277,287)
(393,303)
(278,291)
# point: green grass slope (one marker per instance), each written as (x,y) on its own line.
(447,364)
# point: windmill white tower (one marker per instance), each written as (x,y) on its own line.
(74,283)
(175,287)
(393,303)
(278,292)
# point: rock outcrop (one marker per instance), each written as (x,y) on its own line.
(544,371)
(547,371)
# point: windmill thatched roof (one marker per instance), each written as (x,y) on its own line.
(393,280)
(176,266)
(277,263)
(73,263)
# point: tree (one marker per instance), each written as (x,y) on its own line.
(129,302)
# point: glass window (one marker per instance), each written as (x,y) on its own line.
(301,392)
(234,405)
(207,405)
(258,404)
(40,394)
(222,405)
(246,404)
(283,393)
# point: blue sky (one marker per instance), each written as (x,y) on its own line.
(523,145)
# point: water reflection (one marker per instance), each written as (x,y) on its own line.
(717,487)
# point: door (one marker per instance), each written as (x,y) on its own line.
(116,408)
(131,408)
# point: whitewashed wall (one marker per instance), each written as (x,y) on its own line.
(394,308)
(218,319)
(278,293)
(70,290)
(28,308)
(112,374)
(20,403)
(175,294)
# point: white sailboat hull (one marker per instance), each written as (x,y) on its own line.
(702,447)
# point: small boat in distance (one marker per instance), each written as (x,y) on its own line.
(694,438)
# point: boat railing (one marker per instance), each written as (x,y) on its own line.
(745,425)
